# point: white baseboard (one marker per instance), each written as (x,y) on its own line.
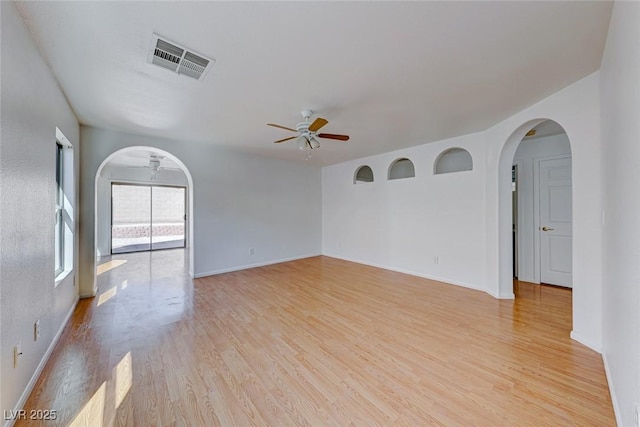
(247,266)
(411,273)
(577,337)
(612,392)
(32,382)
(508,295)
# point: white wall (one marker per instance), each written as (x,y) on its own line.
(273,206)
(404,224)
(620,91)
(465,218)
(240,202)
(528,151)
(577,109)
(32,107)
(111,174)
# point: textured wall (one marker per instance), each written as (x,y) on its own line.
(32,107)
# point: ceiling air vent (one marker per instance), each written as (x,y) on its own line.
(176,58)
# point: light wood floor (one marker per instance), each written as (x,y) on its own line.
(318,342)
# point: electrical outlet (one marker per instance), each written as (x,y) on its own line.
(17,352)
(36,330)
(252,251)
(436,260)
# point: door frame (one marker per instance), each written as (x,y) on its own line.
(537,265)
(519,164)
(145,184)
(89,228)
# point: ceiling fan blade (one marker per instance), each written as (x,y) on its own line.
(317,124)
(285,139)
(333,136)
(281,127)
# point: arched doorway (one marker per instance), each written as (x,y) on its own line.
(542,206)
(138,165)
(535,238)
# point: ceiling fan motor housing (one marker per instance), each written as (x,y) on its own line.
(302,127)
(154,164)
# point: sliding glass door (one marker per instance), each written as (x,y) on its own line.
(147,217)
(167,217)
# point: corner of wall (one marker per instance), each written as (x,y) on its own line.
(576,336)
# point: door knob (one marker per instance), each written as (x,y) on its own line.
(545,228)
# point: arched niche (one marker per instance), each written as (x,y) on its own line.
(363,174)
(401,168)
(453,160)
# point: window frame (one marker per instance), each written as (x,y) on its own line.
(64,203)
(59,207)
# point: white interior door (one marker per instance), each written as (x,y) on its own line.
(555,222)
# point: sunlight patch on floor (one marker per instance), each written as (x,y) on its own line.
(109,265)
(106,296)
(93,411)
(116,388)
(123,377)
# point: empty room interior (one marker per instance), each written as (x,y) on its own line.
(320,213)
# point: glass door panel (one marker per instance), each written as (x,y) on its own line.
(130,218)
(168,217)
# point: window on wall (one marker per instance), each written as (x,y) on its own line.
(59,231)
(363,174)
(64,202)
(402,168)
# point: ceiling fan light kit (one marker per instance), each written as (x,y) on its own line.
(155,165)
(308,132)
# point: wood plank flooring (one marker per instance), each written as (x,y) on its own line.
(318,342)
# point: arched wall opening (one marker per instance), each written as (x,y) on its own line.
(363,174)
(190,212)
(505,206)
(401,168)
(453,160)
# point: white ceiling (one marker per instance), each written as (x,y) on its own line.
(390,74)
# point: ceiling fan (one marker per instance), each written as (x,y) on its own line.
(308,132)
(155,165)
